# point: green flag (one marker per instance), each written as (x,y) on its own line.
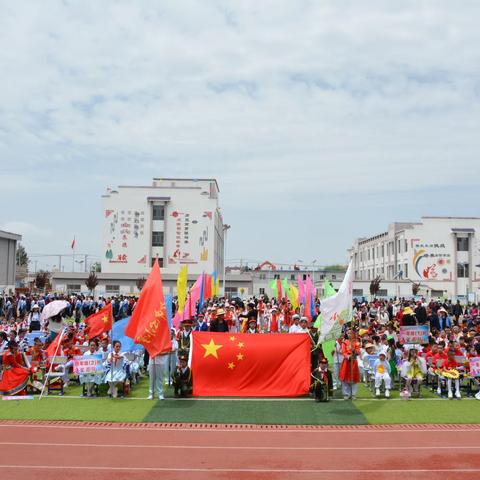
(286,287)
(328,291)
(273,286)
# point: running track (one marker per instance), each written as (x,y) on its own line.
(74,450)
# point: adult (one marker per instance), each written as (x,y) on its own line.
(15,373)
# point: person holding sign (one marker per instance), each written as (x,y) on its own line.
(94,378)
(382,370)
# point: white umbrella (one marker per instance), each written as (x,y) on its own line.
(53,308)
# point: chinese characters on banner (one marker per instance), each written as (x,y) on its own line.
(87,364)
(416,335)
(475,367)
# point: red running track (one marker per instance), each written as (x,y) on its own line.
(62,450)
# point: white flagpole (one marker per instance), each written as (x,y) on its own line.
(51,363)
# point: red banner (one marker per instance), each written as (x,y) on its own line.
(250,365)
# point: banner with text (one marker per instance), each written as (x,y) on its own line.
(87,364)
(418,334)
(475,367)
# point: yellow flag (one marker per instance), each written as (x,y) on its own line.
(293,296)
(182,288)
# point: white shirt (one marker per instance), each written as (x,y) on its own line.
(295,329)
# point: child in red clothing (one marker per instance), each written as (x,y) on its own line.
(450,372)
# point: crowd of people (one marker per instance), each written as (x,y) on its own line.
(368,349)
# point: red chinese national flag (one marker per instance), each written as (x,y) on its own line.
(148,324)
(250,365)
(99,322)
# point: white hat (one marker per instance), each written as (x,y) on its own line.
(304,319)
(294,317)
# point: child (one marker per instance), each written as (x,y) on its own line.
(322,381)
(116,364)
(382,372)
(450,372)
(413,370)
(182,378)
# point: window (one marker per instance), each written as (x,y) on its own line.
(462,270)
(74,287)
(382,293)
(383,250)
(157,239)
(158,212)
(304,276)
(262,276)
(357,292)
(160,262)
(112,289)
(406,246)
(368,253)
(373,253)
(462,244)
(276,276)
(405,270)
(334,277)
(292,276)
(436,293)
(261,291)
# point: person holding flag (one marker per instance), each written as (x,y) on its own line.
(149,327)
(349,373)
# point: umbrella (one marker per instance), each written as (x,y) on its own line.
(238,301)
(53,308)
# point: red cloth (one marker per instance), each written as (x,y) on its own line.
(349,370)
(449,365)
(99,322)
(15,376)
(274,323)
(243,365)
(149,324)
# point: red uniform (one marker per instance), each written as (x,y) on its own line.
(349,370)
(15,375)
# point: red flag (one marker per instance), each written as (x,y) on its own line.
(52,348)
(99,322)
(73,243)
(279,289)
(250,365)
(148,324)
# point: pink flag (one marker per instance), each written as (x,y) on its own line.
(301,289)
(190,308)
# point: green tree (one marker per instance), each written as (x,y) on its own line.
(375,286)
(91,282)
(42,280)
(22,256)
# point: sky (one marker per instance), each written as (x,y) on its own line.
(322,121)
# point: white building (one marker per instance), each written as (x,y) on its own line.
(442,254)
(176,220)
(8,250)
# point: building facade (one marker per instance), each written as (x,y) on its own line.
(441,254)
(8,250)
(176,220)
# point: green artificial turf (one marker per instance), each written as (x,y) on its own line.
(135,408)
(421,411)
(262,411)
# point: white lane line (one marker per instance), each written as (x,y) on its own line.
(226,447)
(240,470)
(241,429)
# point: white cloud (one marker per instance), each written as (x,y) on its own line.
(280,100)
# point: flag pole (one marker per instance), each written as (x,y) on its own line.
(51,363)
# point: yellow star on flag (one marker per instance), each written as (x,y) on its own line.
(232,339)
(211,349)
(231,365)
(240,356)
(105,319)
(240,345)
